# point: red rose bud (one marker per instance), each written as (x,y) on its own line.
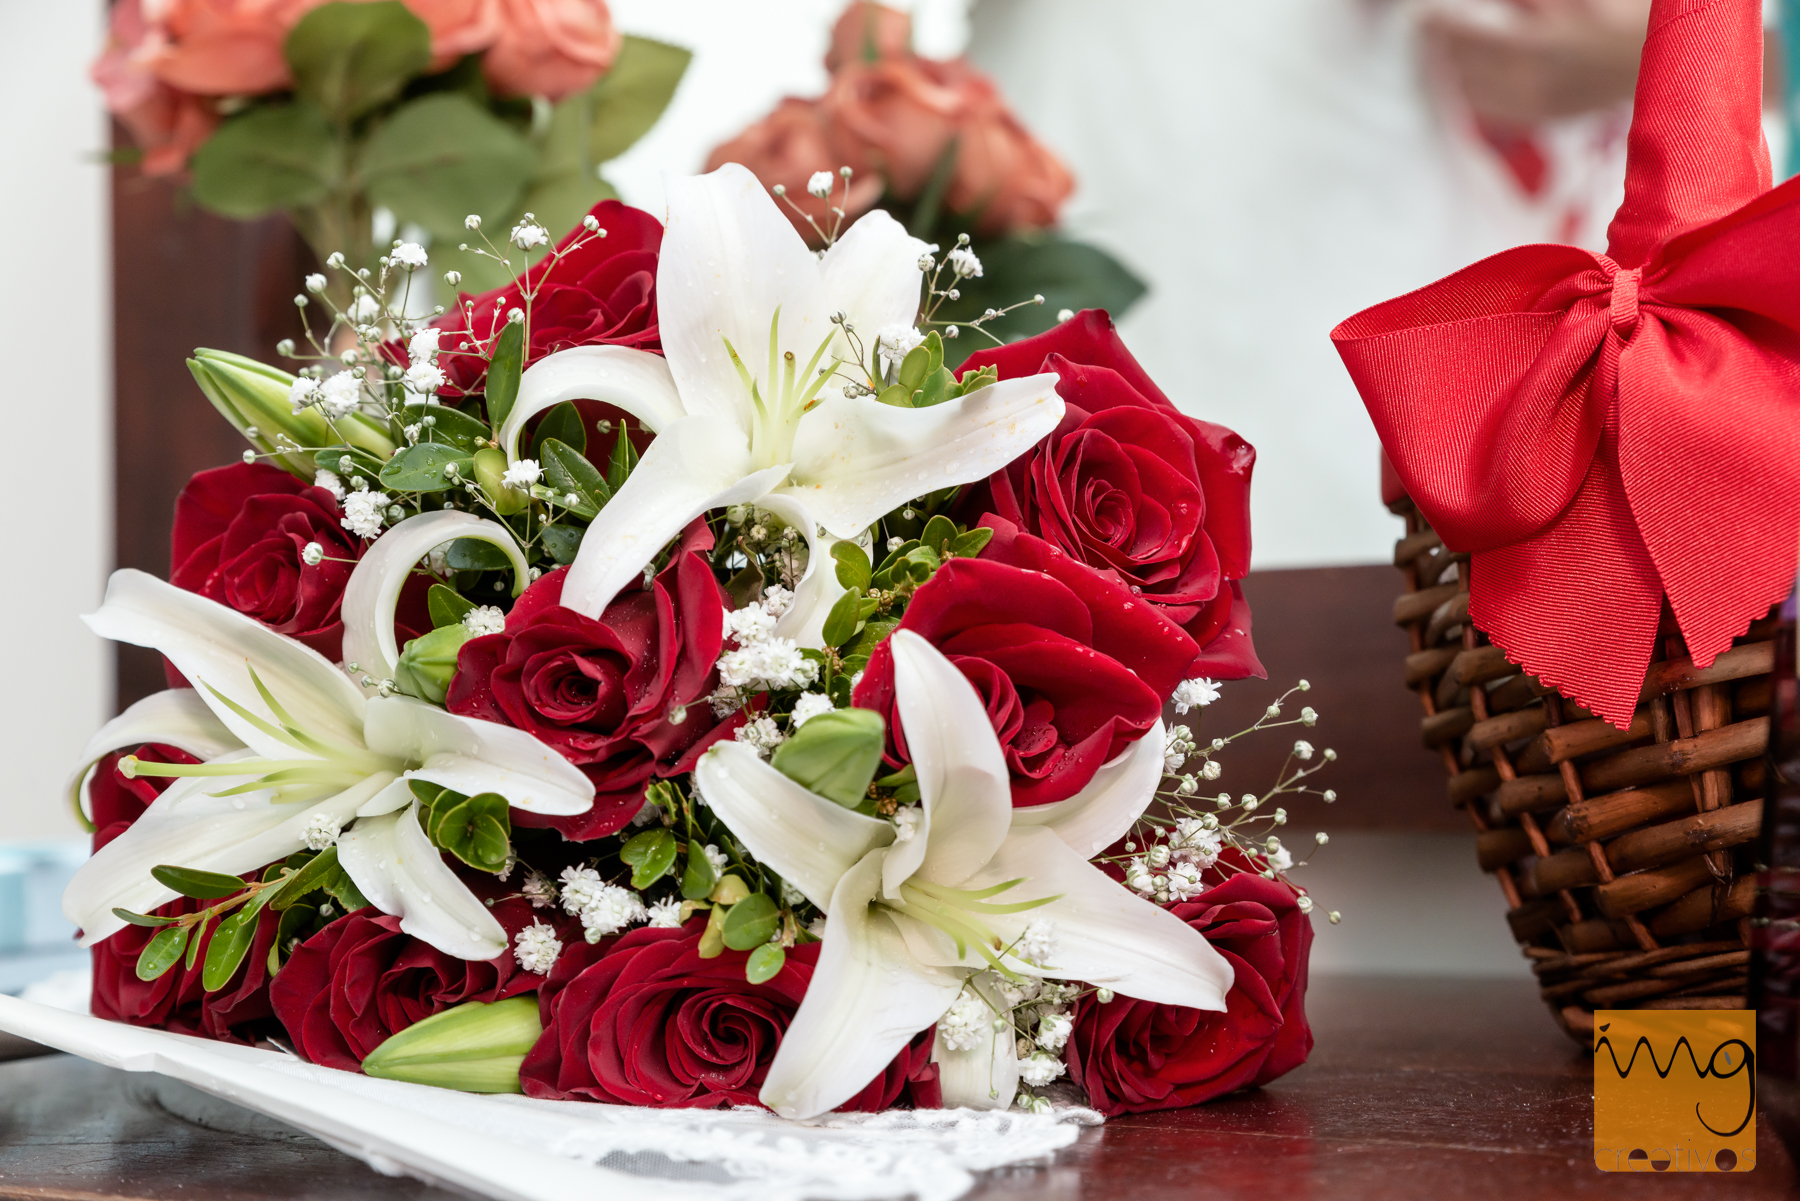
(476,1047)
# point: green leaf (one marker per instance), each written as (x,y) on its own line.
(1068,274)
(834,754)
(563,543)
(162,952)
(914,368)
(477,830)
(442,157)
(971,544)
(503,372)
(698,878)
(427,467)
(142,919)
(650,855)
(349,58)
(630,97)
(624,459)
(191,882)
(197,937)
(448,606)
(268,158)
(344,891)
(845,618)
(852,565)
(459,429)
(745,586)
(856,654)
(753,920)
(297,921)
(429,795)
(472,554)
(564,424)
(309,878)
(568,471)
(765,963)
(230,943)
(939,532)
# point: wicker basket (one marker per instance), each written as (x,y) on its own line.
(1622,854)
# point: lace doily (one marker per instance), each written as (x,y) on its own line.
(518,1148)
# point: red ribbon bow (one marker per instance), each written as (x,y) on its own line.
(1602,430)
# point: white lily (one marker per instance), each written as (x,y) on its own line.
(285,736)
(735,281)
(909,920)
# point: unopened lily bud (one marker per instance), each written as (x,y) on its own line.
(834,754)
(428,662)
(258,400)
(475,1047)
(490,473)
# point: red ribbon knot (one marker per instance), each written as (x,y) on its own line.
(1625,282)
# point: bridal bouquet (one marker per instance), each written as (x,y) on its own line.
(663,681)
(430,109)
(935,144)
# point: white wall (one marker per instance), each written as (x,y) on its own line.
(55,306)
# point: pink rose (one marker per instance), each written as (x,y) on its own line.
(897,116)
(458,27)
(167,125)
(551,48)
(1005,178)
(787,147)
(223,47)
(869,32)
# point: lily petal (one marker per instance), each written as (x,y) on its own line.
(634,380)
(699,463)
(964,788)
(216,647)
(985,1076)
(1101,813)
(818,589)
(374,588)
(396,867)
(175,717)
(1104,934)
(867,999)
(810,841)
(730,261)
(474,756)
(856,458)
(188,826)
(872,274)
(397,795)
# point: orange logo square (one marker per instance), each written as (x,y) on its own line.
(1675,1090)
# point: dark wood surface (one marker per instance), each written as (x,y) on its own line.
(1420,1089)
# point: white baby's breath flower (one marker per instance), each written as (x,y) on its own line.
(1184,881)
(528,234)
(364,310)
(1210,770)
(762,734)
(1281,859)
(964,263)
(1309,716)
(1138,876)
(340,393)
(752,623)
(410,255)
(1303,749)
(809,706)
(716,858)
(315,283)
(539,890)
(1038,943)
(312,554)
(321,831)
(895,342)
(535,949)
(303,392)
(665,914)
(603,908)
(906,823)
(964,1025)
(1039,1069)
(424,343)
(1053,1030)
(820,184)
(329,481)
(1196,693)
(424,377)
(484,619)
(363,513)
(522,474)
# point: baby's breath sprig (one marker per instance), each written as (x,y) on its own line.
(962,263)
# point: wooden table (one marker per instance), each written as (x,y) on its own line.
(1418,1089)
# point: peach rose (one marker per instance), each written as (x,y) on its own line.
(551,48)
(788,147)
(869,32)
(458,27)
(898,116)
(221,47)
(1005,178)
(167,125)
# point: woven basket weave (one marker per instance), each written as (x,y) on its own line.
(1622,854)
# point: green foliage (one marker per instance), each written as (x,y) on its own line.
(350,58)
(569,473)
(630,97)
(765,963)
(162,952)
(834,754)
(562,542)
(472,554)
(191,882)
(698,879)
(562,423)
(141,919)
(852,565)
(442,157)
(448,606)
(476,1047)
(624,460)
(504,370)
(476,829)
(462,430)
(650,855)
(268,158)
(230,943)
(752,921)
(428,467)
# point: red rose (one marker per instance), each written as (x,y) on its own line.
(601,293)
(357,982)
(1133,1057)
(240,532)
(623,698)
(1072,667)
(642,1019)
(175,1000)
(1134,488)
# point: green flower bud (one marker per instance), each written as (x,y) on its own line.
(834,754)
(490,473)
(429,661)
(475,1047)
(254,397)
